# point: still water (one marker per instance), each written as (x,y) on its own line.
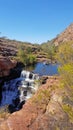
(44,69)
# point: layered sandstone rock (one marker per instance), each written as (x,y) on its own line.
(5,65)
(8,49)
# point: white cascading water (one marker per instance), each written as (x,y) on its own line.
(22,88)
(29,84)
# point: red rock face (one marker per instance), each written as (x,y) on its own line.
(8,49)
(65,36)
(5,65)
(42,112)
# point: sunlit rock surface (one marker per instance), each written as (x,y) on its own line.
(65,36)
(44,111)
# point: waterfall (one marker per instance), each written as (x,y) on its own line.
(28,83)
(19,89)
(27,74)
(23,73)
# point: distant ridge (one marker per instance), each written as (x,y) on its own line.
(65,36)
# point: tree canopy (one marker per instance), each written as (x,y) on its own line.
(25,55)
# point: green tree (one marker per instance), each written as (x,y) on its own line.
(65,53)
(66,72)
(22,56)
(29,50)
(25,56)
(31,59)
(65,58)
(49,49)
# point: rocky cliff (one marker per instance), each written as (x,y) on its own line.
(46,110)
(8,53)
(50,108)
(65,36)
(5,65)
(8,49)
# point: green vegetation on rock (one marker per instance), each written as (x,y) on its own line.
(25,55)
(65,58)
(50,50)
(69,110)
(65,53)
(43,95)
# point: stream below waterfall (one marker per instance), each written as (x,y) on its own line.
(16,91)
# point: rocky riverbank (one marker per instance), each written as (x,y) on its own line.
(44,111)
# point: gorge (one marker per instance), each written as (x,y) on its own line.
(49,105)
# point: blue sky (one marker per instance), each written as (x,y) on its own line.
(34,21)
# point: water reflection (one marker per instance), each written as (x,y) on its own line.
(43,69)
